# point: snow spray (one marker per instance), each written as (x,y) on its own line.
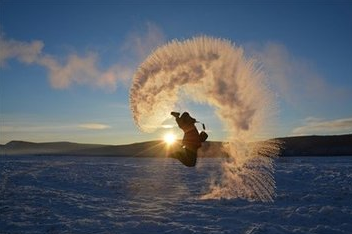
(217,73)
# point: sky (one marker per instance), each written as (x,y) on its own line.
(66,66)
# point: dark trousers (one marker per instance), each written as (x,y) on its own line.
(186,157)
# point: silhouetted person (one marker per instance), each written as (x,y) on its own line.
(191,140)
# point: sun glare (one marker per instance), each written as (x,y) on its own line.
(169,138)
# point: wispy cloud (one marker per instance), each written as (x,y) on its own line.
(141,42)
(20,126)
(30,129)
(296,79)
(83,70)
(94,126)
(319,126)
(26,52)
(167,126)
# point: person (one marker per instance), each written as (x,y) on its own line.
(191,142)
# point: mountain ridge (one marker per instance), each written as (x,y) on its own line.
(331,145)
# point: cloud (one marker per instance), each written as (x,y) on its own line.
(26,52)
(22,127)
(319,126)
(94,126)
(84,70)
(35,127)
(33,130)
(143,41)
(296,79)
(167,126)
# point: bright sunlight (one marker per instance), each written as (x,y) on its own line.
(169,138)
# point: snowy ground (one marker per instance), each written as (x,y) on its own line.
(129,195)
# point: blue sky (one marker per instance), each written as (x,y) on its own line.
(47,47)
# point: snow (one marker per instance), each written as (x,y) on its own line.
(146,195)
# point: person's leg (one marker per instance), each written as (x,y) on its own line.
(186,157)
(191,158)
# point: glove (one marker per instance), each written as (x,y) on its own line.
(175,114)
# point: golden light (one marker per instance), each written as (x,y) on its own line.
(169,138)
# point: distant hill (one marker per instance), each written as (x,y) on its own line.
(340,145)
(72,149)
(24,148)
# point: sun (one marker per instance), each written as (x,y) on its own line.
(169,138)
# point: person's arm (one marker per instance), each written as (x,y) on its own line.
(178,119)
(179,122)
